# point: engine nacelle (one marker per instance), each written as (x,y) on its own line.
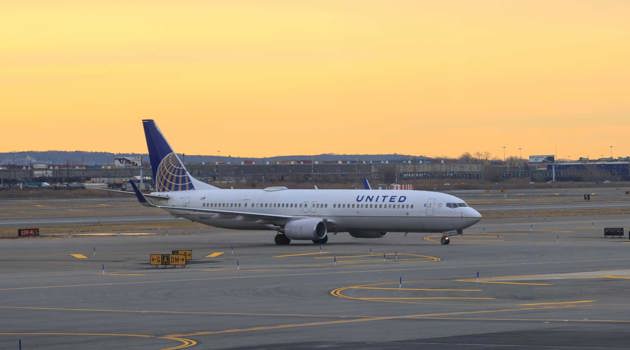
(367,234)
(306,229)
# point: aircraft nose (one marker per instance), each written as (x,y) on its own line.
(472,215)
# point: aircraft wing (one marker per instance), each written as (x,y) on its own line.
(273,219)
(131,193)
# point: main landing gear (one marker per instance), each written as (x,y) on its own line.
(321,241)
(281,239)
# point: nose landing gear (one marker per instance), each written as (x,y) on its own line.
(446,236)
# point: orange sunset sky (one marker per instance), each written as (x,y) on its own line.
(259,78)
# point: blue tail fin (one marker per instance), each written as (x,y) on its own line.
(169,173)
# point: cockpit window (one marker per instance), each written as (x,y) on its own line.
(456,205)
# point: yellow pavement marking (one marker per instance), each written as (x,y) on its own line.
(617,277)
(496,281)
(78,334)
(428,257)
(512,283)
(468,238)
(419,289)
(78,256)
(390,255)
(511,319)
(560,303)
(175,312)
(354,320)
(184,343)
(339,257)
(214,278)
(214,255)
(299,254)
(124,274)
(339,293)
(423,298)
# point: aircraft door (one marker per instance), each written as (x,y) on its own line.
(305,208)
(430,207)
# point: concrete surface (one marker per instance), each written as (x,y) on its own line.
(507,283)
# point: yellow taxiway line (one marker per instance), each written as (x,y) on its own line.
(174,312)
(214,255)
(339,293)
(184,343)
(560,303)
(485,281)
(123,274)
(418,289)
(78,256)
(299,254)
(617,277)
(354,321)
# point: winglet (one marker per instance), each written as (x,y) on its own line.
(366,184)
(141,198)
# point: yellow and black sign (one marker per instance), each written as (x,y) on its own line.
(178,260)
(187,253)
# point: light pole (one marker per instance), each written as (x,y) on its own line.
(611,152)
(503,153)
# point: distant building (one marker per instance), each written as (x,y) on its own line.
(589,171)
(127,162)
(545,158)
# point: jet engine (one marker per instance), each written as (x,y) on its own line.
(306,229)
(367,234)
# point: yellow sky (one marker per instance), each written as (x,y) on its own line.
(256,78)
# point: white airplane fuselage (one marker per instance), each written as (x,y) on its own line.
(343,210)
(297,214)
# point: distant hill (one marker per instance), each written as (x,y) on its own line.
(107,158)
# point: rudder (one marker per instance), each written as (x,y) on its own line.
(169,172)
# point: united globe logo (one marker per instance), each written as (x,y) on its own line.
(172,176)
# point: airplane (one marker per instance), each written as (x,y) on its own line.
(298,214)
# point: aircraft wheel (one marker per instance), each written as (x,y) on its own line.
(445,240)
(281,239)
(321,241)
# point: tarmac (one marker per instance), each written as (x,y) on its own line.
(521,282)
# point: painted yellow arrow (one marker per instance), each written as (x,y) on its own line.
(214,255)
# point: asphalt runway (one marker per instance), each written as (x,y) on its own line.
(507,283)
(117,209)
